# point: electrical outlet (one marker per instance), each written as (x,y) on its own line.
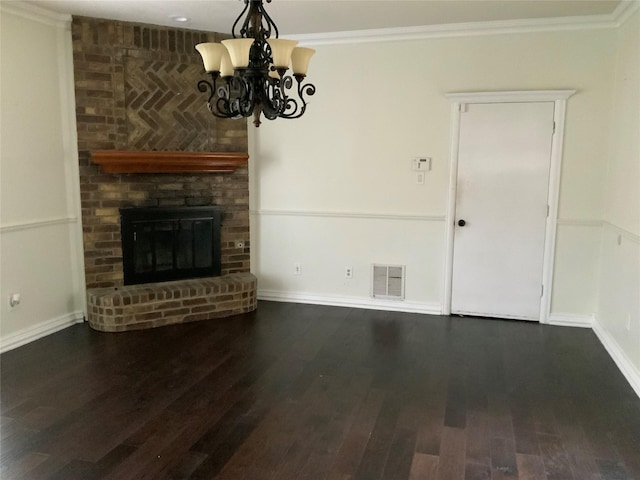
(297,269)
(14,300)
(348,272)
(420,178)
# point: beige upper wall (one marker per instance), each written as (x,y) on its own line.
(380,104)
(622,198)
(33,171)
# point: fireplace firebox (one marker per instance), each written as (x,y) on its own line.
(163,244)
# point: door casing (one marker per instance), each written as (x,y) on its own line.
(559,97)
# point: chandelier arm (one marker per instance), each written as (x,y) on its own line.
(287,82)
(269,100)
(293,108)
(235,24)
(258,23)
(307,88)
(260,58)
(297,110)
(227,103)
(269,114)
(205,86)
(244,103)
(270,23)
(224,106)
(282,102)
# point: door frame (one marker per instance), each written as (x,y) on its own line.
(559,97)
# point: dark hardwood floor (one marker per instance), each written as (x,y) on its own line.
(310,392)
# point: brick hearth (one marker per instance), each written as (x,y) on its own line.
(152,305)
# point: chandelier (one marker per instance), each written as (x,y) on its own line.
(248,70)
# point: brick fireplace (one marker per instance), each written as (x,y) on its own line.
(136,91)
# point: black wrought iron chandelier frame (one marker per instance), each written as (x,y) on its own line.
(252,90)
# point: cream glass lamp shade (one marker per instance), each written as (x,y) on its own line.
(300,60)
(226,67)
(281,51)
(239,49)
(211,54)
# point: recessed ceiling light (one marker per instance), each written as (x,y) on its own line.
(179,18)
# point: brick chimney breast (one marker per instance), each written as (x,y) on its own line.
(136,90)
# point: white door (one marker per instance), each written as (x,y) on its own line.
(501,209)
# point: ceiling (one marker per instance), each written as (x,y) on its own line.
(319,16)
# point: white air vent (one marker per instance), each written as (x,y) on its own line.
(388,281)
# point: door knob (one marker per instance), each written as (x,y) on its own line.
(461,223)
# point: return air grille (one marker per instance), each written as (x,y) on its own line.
(388,282)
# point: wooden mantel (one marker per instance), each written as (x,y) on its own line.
(113,161)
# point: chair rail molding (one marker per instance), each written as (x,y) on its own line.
(363,215)
(40,223)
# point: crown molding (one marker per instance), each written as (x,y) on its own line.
(515,96)
(625,10)
(37,14)
(500,27)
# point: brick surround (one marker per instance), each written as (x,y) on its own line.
(152,305)
(136,90)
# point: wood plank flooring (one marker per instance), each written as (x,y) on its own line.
(311,392)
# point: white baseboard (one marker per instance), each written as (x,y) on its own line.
(30,334)
(625,365)
(570,320)
(352,302)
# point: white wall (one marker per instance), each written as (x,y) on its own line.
(378,105)
(618,313)
(39,231)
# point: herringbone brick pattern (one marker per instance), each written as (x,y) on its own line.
(164,109)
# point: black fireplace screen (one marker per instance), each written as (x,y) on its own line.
(162,244)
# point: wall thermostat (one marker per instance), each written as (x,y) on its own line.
(421,164)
